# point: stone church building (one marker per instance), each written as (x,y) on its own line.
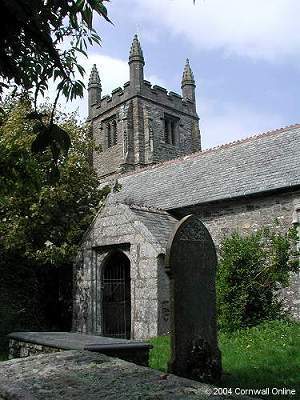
(150,143)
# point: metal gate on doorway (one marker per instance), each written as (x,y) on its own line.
(116,302)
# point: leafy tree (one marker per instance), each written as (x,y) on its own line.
(39,40)
(31,35)
(251,271)
(41,222)
(40,219)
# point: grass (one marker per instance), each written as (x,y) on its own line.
(259,357)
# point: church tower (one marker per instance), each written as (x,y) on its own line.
(141,124)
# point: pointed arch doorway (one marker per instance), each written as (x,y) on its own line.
(116,299)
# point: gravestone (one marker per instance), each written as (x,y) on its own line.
(191,265)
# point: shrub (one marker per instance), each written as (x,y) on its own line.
(251,271)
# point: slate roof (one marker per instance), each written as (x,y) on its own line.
(257,164)
(159,223)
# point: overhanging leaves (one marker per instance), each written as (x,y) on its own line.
(54,137)
(31,35)
(31,30)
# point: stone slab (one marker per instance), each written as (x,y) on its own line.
(24,344)
(84,375)
(74,341)
(191,264)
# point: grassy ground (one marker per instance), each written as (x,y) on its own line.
(260,357)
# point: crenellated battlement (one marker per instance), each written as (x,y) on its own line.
(154,93)
(168,98)
(117,96)
(137,86)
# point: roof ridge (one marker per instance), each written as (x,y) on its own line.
(212,149)
(251,137)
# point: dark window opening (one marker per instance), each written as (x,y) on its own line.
(173,139)
(166,133)
(116,302)
(114,133)
(170,125)
(111,131)
(109,141)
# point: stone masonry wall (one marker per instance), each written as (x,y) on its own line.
(248,215)
(20,349)
(140,137)
(109,160)
(187,133)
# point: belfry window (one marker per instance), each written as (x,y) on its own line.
(170,125)
(111,132)
(109,141)
(114,132)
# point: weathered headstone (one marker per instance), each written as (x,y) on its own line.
(191,264)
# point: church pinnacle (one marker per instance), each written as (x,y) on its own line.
(136,52)
(136,65)
(188,83)
(188,76)
(94,89)
(94,77)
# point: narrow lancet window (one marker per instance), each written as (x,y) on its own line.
(114,132)
(109,141)
(170,126)
(111,131)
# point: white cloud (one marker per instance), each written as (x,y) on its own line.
(220,121)
(266,30)
(226,122)
(113,72)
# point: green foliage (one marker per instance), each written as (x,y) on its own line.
(40,40)
(31,36)
(251,271)
(44,220)
(267,355)
(21,301)
(161,352)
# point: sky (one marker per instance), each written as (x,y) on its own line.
(245,55)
